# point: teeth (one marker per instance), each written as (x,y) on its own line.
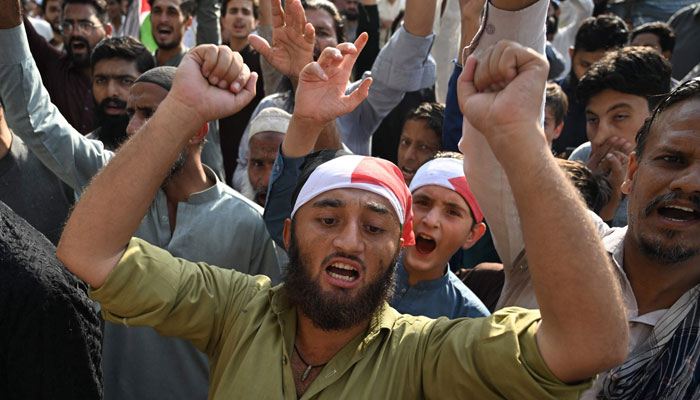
(344,266)
(424,236)
(682,208)
(341,277)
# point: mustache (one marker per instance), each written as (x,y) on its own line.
(348,256)
(112,102)
(78,39)
(695,199)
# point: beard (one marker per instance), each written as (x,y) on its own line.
(326,311)
(656,249)
(112,127)
(351,15)
(177,167)
(79,60)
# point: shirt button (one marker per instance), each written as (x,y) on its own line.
(284,360)
(164,217)
(403,290)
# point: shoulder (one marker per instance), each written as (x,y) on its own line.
(582,153)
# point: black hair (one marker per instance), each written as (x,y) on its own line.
(432,113)
(640,71)
(557,101)
(603,32)
(311,162)
(224,5)
(331,9)
(687,91)
(99,5)
(662,30)
(187,7)
(595,189)
(126,48)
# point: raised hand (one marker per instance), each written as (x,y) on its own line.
(501,93)
(292,40)
(214,82)
(613,146)
(321,93)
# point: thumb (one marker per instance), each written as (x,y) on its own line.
(465,83)
(260,45)
(358,95)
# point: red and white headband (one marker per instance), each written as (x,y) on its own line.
(448,173)
(367,173)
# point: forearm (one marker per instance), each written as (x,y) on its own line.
(513,5)
(113,206)
(301,137)
(573,279)
(419,16)
(329,138)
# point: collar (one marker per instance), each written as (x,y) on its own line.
(402,279)
(211,193)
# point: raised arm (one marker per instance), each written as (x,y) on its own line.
(114,204)
(208,27)
(569,267)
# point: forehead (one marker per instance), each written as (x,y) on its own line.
(75,11)
(167,3)
(677,127)
(417,129)
(611,100)
(53,3)
(320,18)
(240,4)
(115,66)
(351,200)
(645,39)
(440,194)
(263,141)
(146,95)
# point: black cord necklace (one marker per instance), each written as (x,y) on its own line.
(309,367)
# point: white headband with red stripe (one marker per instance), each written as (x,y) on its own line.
(367,173)
(448,173)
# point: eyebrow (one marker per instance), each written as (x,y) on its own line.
(115,76)
(618,105)
(323,203)
(455,205)
(377,207)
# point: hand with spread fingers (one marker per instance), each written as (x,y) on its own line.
(292,40)
(321,94)
(501,92)
(214,82)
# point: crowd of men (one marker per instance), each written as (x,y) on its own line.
(349,199)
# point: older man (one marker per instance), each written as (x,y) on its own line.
(326,333)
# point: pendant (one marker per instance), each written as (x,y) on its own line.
(306,373)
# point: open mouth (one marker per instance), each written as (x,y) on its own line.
(78,47)
(164,31)
(408,173)
(425,244)
(677,213)
(261,197)
(342,273)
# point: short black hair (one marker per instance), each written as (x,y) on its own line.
(187,7)
(126,48)
(557,101)
(595,189)
(331,9)
(603,32)
(100,7)
(687,91)
(432,113)
(640,71)
(662,30)
(224,5)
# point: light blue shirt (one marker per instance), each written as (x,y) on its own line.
(443,297)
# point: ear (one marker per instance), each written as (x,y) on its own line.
(632,167)
(287,233)
(558,129)
(571,53)
(667,54)
(474,235)
(108,30)
(199,136)
(188,22)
